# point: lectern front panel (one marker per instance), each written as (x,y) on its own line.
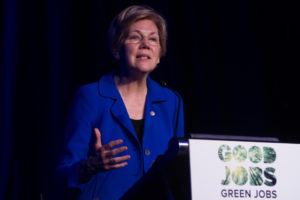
(223,170)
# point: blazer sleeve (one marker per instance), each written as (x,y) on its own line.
(77,139)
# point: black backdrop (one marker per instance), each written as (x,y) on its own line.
(235,64)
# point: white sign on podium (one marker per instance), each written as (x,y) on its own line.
(223,170)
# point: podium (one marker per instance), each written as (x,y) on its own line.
(168,178)
(213,167)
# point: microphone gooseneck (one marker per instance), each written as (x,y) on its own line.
(164,84)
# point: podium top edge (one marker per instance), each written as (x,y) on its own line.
(232,137)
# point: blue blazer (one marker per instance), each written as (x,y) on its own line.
(99,105)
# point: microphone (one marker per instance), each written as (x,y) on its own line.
(165,85)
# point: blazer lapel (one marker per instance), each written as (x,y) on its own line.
(119,111)
(107,88)
(156,94)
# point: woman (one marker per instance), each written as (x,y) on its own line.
(121,124)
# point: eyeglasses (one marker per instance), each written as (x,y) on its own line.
(136,38)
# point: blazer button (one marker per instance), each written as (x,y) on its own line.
(147,152)
(152,113)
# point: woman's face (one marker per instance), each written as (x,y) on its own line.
(140,51)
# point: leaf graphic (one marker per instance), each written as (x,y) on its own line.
(240,153)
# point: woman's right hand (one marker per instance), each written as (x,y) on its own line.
(103,158)
(104,154)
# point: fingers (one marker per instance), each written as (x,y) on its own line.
(121,159)
(120,165)
(117,160)
(116,166)
(104,155)
(98,143)
(110,162)
(112,144)
(118,150)
(108,154)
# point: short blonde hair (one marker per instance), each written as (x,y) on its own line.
(119,26)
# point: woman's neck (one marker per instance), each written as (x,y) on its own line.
(133,83)
(133,92)
(129,87)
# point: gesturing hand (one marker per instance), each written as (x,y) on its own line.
(103,159)
(104,153)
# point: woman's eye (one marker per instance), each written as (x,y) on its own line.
(134,37)
(154,39)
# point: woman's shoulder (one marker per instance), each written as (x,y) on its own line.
(98,89)
(163,91)
(87,89)
(92,87)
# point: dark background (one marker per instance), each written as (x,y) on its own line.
(235,63)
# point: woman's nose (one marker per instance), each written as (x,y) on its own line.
(144,44)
